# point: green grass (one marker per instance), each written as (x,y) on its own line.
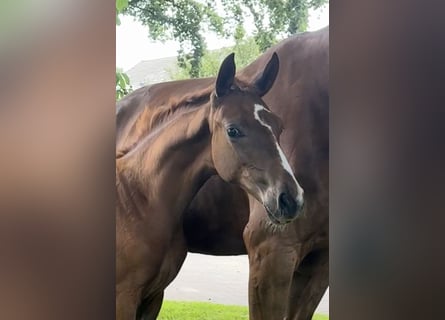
(175,310)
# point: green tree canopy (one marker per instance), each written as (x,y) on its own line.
(246,50)
(187,21)
(123,86)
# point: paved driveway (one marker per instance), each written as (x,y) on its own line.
(217,279)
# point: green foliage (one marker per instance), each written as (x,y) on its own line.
(123,86)
(121,5)
(245,52)
(187,21)
(183,20)
(175,310)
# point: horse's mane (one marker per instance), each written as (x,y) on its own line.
(177,103)
(161,114)
(163,102)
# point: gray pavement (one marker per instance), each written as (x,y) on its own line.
(219,280)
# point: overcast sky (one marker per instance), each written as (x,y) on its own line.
(133,45)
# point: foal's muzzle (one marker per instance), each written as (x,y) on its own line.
(284,208)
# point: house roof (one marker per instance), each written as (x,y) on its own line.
(151,71)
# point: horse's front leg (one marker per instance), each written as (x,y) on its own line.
(309,283)
(136,270)
(149,309)
(126,305)
(272,260)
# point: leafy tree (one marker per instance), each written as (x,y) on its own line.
(122,81)
(187,21)
(123,86)
(246,50)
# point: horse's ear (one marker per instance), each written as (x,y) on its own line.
(226,76)
(265,80)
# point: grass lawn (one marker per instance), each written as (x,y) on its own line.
(175,310)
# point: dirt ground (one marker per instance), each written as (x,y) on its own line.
(217,279)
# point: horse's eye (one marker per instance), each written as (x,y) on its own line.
(233,132)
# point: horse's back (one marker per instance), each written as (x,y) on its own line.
(303,56)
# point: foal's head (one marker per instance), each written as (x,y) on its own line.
(245,146)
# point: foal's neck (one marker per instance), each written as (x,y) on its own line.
(174,162)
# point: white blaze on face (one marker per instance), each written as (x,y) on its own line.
(283,158)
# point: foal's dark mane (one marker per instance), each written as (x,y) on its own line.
(163,102)
(160,103)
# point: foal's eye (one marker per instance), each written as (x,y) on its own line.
(233,132)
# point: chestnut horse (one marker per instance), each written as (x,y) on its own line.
(289,266)
(226,131)
(294,276)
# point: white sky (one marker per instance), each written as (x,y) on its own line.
(133,44)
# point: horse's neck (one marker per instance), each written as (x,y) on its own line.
(175,163)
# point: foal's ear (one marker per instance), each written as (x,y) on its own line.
(226,75)
(265,80)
